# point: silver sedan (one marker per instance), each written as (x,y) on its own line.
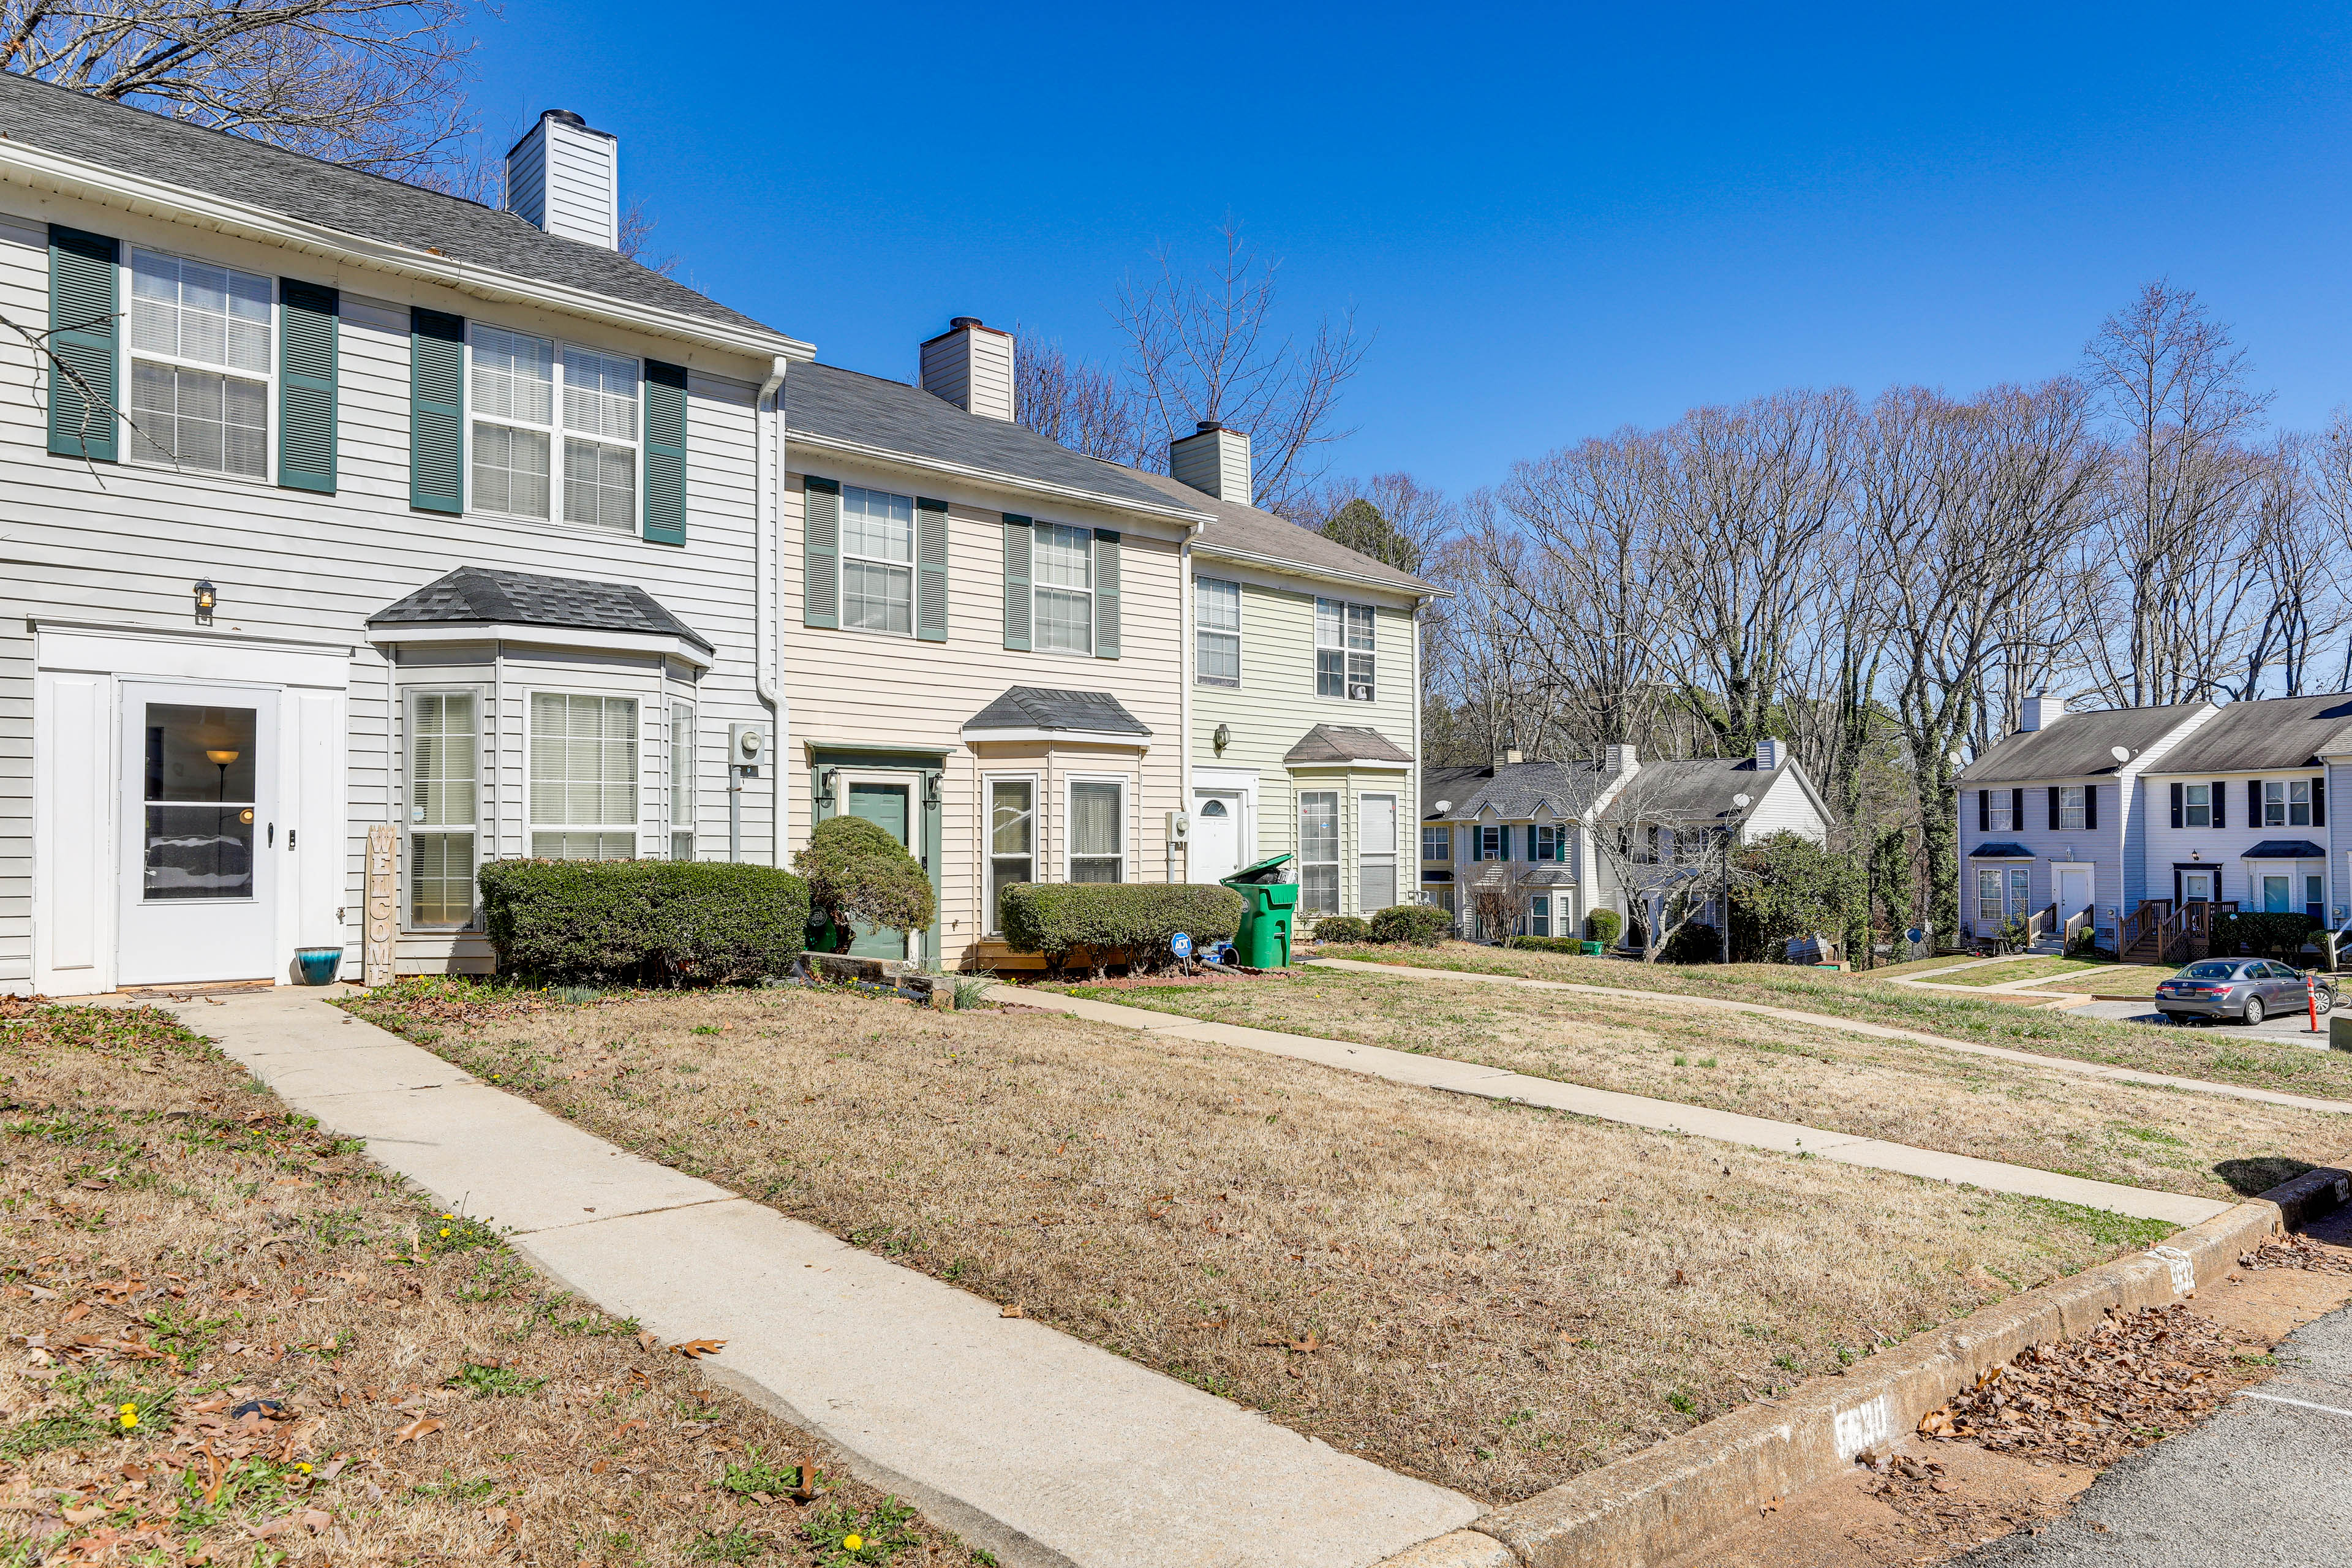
(2246,989)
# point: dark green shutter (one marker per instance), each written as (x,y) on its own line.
(930,569)
(665,453)
(308,331)
(85,286)
(437,411)
(1531,842)
(819,553)
(1106,593)
(1019,536)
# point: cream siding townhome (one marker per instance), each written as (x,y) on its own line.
(364,509)
(1305,681)
(983,638)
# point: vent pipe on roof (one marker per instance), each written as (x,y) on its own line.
(1215,461)
(565,178)
(2041,712)
(970,365)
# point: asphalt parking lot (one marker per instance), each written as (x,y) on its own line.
(2294,1026)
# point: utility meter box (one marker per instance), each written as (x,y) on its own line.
(1179,827)
(746,747)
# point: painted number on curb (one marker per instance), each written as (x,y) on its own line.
(2184,1271)
(1866,1425)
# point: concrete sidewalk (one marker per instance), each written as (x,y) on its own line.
(1046,1450)
(1636,1111)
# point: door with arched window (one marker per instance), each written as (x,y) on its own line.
(1216,849)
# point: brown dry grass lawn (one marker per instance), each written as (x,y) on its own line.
(2048,1118)
(2221,1055)
(232,1341)
(1491,1297)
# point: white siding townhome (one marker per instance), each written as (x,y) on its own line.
(346,506)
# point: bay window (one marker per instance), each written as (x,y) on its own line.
(1097,830)
(444,774)
(200,365)
(1318,852)
(583,777)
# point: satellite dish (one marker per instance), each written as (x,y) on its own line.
(1740,801)
(1443,806)
(1955,757)
(2120,753)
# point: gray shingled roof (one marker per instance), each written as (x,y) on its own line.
(1250,531)
(1346,744)
(2285,849)
(1450,782)
(1698,787)
(1040,707)
(1516,789)
(479,596)
(2276,732)
(241,169)
(2078,745)
(825,400)
(2003,850)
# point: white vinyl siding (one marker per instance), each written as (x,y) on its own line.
(1097,830)
(878,561)
(1216,632)
(548,422)
(444,801)
(583,777)
(200,365)
(1062,577)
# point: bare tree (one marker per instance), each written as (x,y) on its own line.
(1498,898)
(1392,518)
(376,84)
(1077,402)
(637,227)
(1667,861)
(2297,557)
(1207,345)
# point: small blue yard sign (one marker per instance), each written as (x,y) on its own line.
(1181,944)
(1915,936)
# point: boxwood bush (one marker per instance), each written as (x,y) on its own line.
(660,922)
(1423,925)
(2278,935)
(1602,926)
(1343,928)
(1104,922)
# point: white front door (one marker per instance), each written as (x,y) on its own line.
(2074,893)
(200,824)
(1215,849)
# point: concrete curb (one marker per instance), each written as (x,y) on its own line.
(1672,1498)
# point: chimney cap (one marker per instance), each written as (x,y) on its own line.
(1199,426)
(958,323)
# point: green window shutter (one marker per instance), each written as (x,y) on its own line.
(85,289)
(1531,842)
(665,453)
(1018,537)
(930,569)
(437,411)
(1106,595)
(309,331)
(819,553)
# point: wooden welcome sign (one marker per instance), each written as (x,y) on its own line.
(383,903)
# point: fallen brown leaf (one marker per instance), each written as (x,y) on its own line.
(695,1349)
(415,1429)
(1010,1312)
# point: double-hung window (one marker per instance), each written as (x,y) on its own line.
(1988,885)
(200,365)
(548,424)
(1011,841)
(444,774)
(2071,814)
(1544,842)
(1492,843)
(1436,842)
(877,561)
(1097,830)
(583,777)
(2197,805)
(1216,632)
(1539,915)
(681,782)
(1318,852)
(2286,804)
(1997,804)
(1344,650)
(1064,587)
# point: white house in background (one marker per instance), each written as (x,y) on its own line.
(415,515)
(1538,822)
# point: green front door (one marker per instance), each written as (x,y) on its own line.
(885,806)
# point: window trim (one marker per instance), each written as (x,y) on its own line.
(688,790)
(1338,861)
(556,431)
(409,825)
(2189,805)
(1125,782)
(843,556)
(2073,808)
(1395,853)
(1347,650)
(988,855)
(127,394)
(1037,585)
(531,828)
(1999,806)
(1444,827)
(1199,631)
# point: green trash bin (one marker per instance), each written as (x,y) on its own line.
(1262,940)
(1590,949)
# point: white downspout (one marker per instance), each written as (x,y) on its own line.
(766,560)
(1184,609)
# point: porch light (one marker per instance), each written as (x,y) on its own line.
(206,597)
(1222,737)
(824,783)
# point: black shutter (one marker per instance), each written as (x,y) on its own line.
(2090,807)
(2176,806)
(2253,803)
(2017,809)
(1984,811)
(2054,809)
(2221,811)
(2319,803)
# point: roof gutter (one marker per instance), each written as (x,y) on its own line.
(1411,589)
(42,170)
(1195,520)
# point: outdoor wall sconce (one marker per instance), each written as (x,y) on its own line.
(206,597)
(930,789)
(824,781)
(1224,735)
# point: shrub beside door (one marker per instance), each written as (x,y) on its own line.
(642,922)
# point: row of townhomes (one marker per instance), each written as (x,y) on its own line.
(1538,823)
(359,535)
(2135,824)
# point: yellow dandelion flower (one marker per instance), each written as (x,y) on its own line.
(129,1420)
(852,1543)
(302,1466)
(445,1230)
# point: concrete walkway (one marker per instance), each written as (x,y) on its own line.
(1857,1026)
(1634,1110)
(1046,1450)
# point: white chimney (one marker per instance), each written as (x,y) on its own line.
(2041,711)
(1618,760)
(1770,754)
(970,365)
(1213,460)
(1514,755)
(566,178)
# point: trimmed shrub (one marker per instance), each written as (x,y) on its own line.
(2273,934)
(1100,920)
(1695,943)
(1567,944)
(857,871)
(1602,926)
(642,922)
(1423,925)
(1343,928)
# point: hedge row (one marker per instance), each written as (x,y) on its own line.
(1423,925)
(643,921)
(1109,921)
(2270,933)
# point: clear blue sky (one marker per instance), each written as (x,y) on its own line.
(1556,220)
